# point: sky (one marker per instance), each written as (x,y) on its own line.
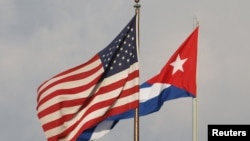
(39,39)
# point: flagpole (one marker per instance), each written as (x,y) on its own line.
(195,119)
(195,103)
(136,115)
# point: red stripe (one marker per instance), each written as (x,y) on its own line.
(57,122)
(59,106)
(94,58)
(66,72)
(124,108)
(129,91)
(71,78)
(68,91)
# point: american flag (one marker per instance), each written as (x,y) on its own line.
(83,96)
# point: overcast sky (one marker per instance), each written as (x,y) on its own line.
(39,39)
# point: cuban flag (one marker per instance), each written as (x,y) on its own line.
(177,79)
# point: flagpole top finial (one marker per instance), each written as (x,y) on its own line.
(137,5)
(195,22)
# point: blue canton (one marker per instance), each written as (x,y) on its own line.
(121,52)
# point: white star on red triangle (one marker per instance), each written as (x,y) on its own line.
(178,64)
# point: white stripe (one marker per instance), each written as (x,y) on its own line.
(85,68)
(58,114)
(125,100)
(64,97)
(152,91)
(102,129)
(71,84)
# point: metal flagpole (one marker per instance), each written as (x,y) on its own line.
(195,104)
(195,119)
(136,115)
